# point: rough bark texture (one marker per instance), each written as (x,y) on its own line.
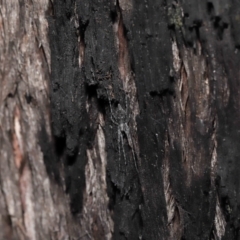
(137,135)
(33,204)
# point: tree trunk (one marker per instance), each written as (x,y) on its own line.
(119,119)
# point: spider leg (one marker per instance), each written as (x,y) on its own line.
(126,130)
(119,148)
(124,154)
(127,106)
(113,117)
(130,142)
(134,159)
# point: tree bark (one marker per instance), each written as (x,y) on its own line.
(33,204)
(119,119)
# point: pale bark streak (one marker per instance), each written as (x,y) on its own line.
(27,194)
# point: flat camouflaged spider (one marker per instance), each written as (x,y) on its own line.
(121,119)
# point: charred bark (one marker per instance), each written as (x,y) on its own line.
(119,119)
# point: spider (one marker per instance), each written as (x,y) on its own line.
(121,119)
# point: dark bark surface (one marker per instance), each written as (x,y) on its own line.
(138,134)
(172,150)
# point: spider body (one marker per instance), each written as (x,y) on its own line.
(121,119)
